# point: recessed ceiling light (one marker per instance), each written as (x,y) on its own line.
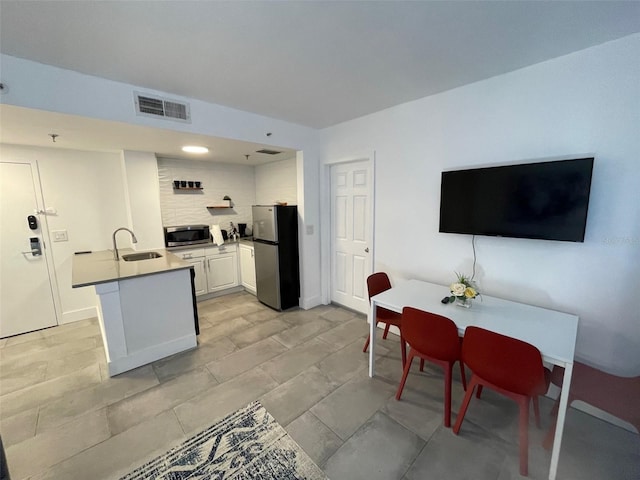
(195,149)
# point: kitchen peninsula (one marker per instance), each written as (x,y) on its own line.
(145,306)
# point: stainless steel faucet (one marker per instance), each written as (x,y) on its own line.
(115,247)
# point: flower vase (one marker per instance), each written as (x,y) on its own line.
(463,302)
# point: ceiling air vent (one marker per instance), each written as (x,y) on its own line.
(153,106)
(268,152)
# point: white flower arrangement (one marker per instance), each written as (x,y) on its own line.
(463,291)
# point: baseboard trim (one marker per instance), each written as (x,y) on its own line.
(79,314)
(310,302)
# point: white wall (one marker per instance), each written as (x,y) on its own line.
(586,102)
(86,190)
(140,177)
(38,86)
(188,207)
(277,182)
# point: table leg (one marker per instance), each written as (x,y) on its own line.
(372,337)
(562,411)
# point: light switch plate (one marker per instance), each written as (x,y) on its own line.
(309,229)
(60,236)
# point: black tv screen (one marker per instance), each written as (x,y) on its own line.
(544,200)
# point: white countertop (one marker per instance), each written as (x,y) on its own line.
(100,267)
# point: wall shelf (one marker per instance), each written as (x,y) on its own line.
(187,188)
(219,206)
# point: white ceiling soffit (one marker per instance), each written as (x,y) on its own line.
(313,63)
(25,126)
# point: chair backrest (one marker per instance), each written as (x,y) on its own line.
(377,283)
(506,362)
(431,334)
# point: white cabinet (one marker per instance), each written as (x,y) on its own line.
(216,267)
(247,268)
(200,279)
(221,265)
(195,257)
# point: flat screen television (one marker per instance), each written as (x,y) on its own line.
(543,200)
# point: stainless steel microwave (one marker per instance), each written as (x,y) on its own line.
(186,235)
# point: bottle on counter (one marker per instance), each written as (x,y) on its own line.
(233,232)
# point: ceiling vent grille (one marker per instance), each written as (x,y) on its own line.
(153,106)
(268,152)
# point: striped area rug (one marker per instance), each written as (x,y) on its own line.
(247,444)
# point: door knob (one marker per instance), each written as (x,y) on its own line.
(36,248)
(366,250)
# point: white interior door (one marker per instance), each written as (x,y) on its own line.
(26,298)
(351,231)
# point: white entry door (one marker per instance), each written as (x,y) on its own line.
(26,298)
(351,232)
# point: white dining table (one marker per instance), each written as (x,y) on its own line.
(553,333)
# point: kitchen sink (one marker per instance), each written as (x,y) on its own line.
(134,257)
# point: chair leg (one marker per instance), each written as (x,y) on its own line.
(463,376)
(386,331)
(403,350)
(422,364)
(479,392)
(547,443)
(524,436)
(536,410)
(366,344)
(404,374)
(447,395)
(465,404)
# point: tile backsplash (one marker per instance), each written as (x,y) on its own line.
(246,185)
(186,207)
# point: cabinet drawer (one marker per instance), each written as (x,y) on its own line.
(189,254)
(221,249)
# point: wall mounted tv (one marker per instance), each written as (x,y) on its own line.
(544,200)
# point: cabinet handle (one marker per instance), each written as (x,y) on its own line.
(209,264)
(366,250)
(187,255)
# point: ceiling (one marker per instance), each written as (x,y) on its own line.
(314,63)
(24,126)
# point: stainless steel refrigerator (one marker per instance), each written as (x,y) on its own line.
(275,240)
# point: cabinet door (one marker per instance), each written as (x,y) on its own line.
(222,271)
(200,279)
(247,268)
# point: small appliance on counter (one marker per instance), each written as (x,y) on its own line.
(181,235)
(275,242)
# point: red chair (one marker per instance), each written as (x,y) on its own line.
(619,396)
(378,283)
(434,338)
(510,367)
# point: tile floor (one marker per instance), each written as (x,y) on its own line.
(62,417)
